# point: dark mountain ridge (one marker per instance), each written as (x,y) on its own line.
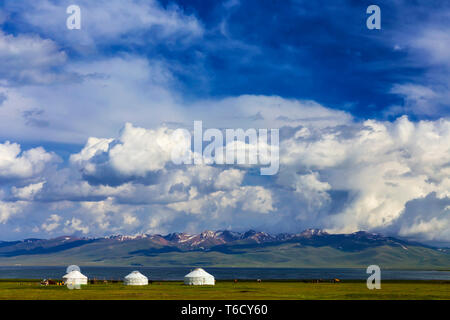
(312,247)
(208,240)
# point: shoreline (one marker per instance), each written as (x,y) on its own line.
(6,280)
(224,267)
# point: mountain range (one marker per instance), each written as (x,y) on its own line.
(311,248)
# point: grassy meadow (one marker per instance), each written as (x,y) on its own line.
(229,290)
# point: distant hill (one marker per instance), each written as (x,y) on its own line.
(311,248)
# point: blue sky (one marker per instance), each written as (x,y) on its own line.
(363,116)
(295,50)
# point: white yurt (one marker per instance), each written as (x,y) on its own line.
(135,279)
(75,278)
(199,277)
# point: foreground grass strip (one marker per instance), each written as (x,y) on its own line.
(228,290)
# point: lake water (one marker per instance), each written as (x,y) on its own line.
(164,273)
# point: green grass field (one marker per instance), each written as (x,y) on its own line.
(227,290)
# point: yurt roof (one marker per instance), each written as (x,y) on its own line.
(75,275)
(198,272)
(135,275)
